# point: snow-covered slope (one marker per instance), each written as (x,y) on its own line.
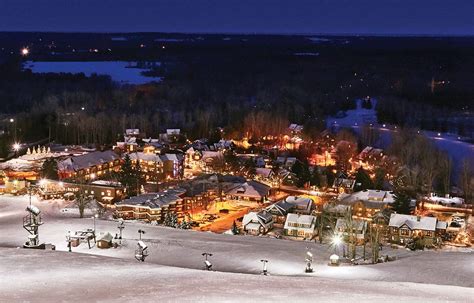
(47,276)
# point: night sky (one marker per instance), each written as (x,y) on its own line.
(431,17)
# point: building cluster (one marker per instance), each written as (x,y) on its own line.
(200,181)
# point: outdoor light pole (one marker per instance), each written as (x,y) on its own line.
(140,232)
(121,226)
(264,271)
(308,260)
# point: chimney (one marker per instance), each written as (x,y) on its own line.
(418,218)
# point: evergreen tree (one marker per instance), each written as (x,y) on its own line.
(401,204)
(128,177)
(363,180)
(316,178)
(235,229)
(49,170)
(379,179)
(301,171)
(171,220)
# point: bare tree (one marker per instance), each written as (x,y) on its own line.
(467,181)
(82,201)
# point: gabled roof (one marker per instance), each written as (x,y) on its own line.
(264,172)
(300,219)
(252,189)
(145,157)
(370,198)
(88,160)
(359,225)
(413,222)
(282,207)
(262,217)
(154,200)
(300,202)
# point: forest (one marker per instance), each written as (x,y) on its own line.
(250,89)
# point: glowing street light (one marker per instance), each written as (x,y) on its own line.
(16,147)
(43,182)
(309,260)
(25,51)
(336,241)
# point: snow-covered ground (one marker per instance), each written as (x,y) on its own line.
(356,118)
(119,71)
(48,276)
(442,275)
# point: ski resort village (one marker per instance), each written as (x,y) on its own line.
(325,216)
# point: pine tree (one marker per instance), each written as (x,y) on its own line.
(49,170)
(235,229)
(363,180)
(401,204)
(379,179)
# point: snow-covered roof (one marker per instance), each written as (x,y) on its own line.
(107,237)
(370,197)
(149,157)
(358,225)
(262,217)
(87,160)
(153,200)
(301,203)
(413,222)
(264,172)
(252,189)
(300,222)
(282,207)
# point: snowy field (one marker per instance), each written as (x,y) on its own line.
(356,118)
(119,71)
(35,276)
(175,262)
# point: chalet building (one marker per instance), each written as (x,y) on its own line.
(257,223)
(173,165)
(301,205)
(152,207)
(106,192)
(368,158)
(264,174)
(89,166)
(300,226)
(343,184)
(151,165)
(365,204)
(251,191)
(359,229)
(279,211)
(404,228)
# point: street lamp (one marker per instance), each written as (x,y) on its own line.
(207,263)
(336,241)
(264,271)
(121,226)
(95,217)
(140,233)
(16,147)
(309,260)
(69,241)
(25,51)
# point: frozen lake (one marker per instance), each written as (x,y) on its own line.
(122,72)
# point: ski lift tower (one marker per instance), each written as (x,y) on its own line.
(31,223)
